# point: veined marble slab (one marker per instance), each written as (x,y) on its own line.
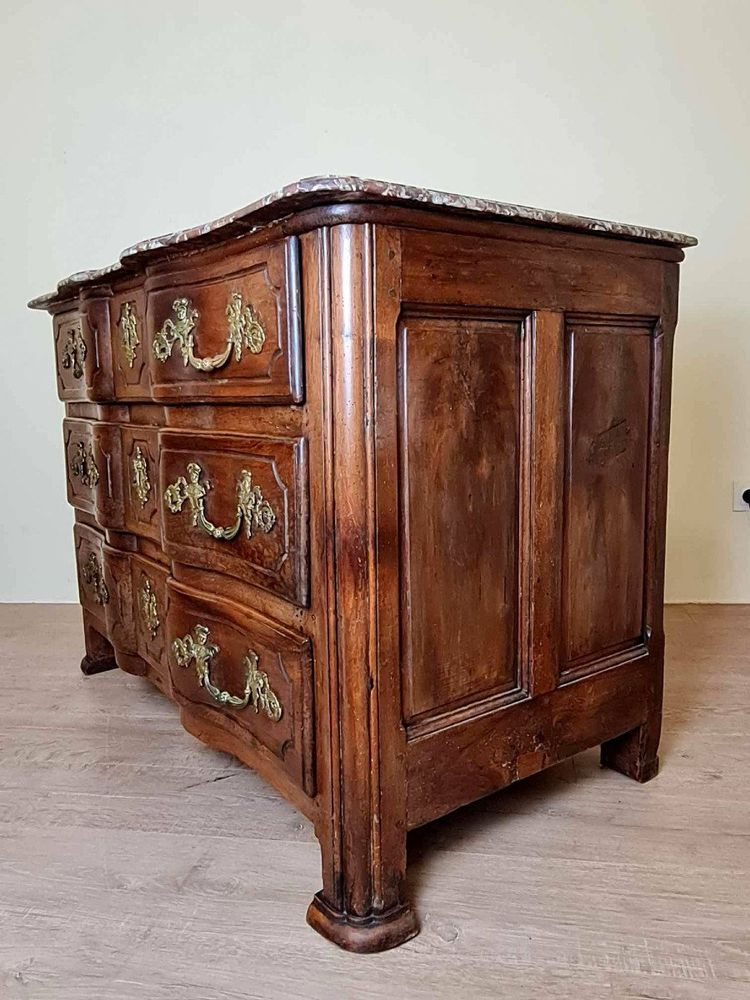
(316,191)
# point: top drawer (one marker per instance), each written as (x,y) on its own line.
(231,335)
(82,352)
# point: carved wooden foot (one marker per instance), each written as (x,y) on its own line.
(633,754)
(100,655)
(377,932)
(97,664)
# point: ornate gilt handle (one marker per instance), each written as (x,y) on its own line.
(244,329)
(258,691)
(93,575)
(252,507)
(83,466)
(74,351)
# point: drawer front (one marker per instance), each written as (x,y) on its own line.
(73,347)
(214,335)
(237,505)
(93,469)
(140,455)
(118,611)
(131,348)
(82,352)
(93,589)
(150,597)
(255,675)
(105,586)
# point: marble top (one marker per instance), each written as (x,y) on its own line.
(316,191)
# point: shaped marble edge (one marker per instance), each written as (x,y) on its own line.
(313,192)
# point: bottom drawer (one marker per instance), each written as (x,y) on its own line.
(93,589)
(149,582)
(105,587)
(254,674)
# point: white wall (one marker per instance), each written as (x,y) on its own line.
(123,120)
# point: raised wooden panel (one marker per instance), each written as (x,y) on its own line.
(270,552)
(459,430)
(609,365)
(263,283)
(244,643)
(140,452)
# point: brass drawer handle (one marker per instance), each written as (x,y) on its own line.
(94,577)
(83,466)
(252,507)
(258,691)
(244,329)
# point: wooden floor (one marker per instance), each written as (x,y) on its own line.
(135,863)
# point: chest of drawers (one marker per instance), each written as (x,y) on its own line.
(370,481)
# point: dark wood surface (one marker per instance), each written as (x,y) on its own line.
(461,428)
(460,405)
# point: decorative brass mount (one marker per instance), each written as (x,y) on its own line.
(140,476)
(252,507)
(244,328)
(92,574)
(149,608)
(74,351)
(128,324)
(83,466)
(258,691)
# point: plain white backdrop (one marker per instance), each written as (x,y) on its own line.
(121,121)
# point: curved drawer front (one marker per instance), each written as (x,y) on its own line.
(256,676)
(82,353)
(93,469)
(105,586)
(237,505)
(93,587)
(219,335)
(130,346)
(140,464)
(150,606)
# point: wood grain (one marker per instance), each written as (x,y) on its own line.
(462,584)
(459,399)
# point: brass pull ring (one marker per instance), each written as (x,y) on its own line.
(252,507)
(258,691)
(244,329)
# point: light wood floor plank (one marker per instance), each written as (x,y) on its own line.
(135,863)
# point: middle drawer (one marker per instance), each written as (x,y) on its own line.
(237,505)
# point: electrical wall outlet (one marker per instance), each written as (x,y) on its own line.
(739,486)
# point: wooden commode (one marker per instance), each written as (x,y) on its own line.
(370,480)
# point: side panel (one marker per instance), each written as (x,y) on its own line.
(531,423)
(459,428)
(607,456)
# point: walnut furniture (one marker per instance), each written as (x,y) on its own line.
(370,480)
